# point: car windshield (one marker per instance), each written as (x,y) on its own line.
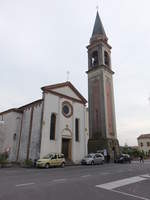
(48,156)
(88,156)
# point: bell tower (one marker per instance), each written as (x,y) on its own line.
(102,121)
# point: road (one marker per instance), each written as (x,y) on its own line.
(100,182)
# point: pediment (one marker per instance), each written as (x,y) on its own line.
(65,89)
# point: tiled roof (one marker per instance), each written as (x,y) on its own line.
(144,136)
(20,109)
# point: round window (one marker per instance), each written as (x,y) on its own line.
(67,109)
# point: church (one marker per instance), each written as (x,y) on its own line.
(60,121)
(56,123)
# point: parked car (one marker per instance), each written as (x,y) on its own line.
(124,158)
(92,159)
(51,160)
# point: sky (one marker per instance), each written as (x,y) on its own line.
(41,40)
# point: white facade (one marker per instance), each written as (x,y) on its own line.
(65,126)
(144,143)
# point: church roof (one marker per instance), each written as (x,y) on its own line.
(20,109)
(143,136)
(51,88)
(98,27)
(11,110)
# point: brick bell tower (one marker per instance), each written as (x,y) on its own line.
(102,121)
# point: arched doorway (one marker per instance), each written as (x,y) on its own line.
(67,144)
(66,148)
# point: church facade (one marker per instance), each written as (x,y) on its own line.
(56,123)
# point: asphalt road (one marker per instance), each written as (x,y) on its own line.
(101,182)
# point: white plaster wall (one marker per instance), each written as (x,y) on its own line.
(145,148)
(34,148)
(67,91)
(11,126)
(79,149)
(24,134)
(51,105)
(34,152)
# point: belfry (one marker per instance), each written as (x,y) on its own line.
(102,120)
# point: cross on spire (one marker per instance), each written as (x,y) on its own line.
(68,73)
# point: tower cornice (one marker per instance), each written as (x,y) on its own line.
(98,42)
(100,67)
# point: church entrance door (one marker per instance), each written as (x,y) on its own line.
(66,148)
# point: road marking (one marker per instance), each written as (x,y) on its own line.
(119,183)
(24,184)
(104,173)
(84,176)
(59,180)
(130,195)
(145,176)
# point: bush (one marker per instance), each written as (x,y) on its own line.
(28,163)
(3,158)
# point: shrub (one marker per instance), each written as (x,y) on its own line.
(28,163)
(3,158)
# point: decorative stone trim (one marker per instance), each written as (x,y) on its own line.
(67,109)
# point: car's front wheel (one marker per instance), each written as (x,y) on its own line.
(63,164)
(47,165)
(92,163)
(102,162)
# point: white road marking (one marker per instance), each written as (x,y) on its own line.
(130,195)
(104,173)
(119,183)
(84,176)
(145,176)
(24,184)
(59,180)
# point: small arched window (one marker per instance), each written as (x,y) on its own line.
(77,129)
(94,59)
(52,126)
(106,58)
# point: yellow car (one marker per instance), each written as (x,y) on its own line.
(51,160)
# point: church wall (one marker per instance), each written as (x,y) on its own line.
(30,134)
(34,152)
(9,134)
(79,149)
(51,105)
(24,134)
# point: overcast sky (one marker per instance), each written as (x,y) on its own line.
(40,40)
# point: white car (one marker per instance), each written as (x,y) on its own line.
(93,159)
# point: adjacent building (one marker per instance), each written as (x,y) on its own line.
(144,143)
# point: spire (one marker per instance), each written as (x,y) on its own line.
(98,27)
